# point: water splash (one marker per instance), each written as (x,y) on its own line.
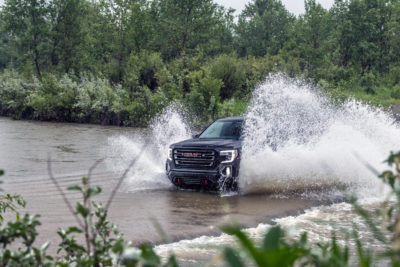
(149,172)
(295,138)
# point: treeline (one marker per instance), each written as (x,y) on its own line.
(121,61)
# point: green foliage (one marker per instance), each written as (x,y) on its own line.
(396,92)
(21,235)
(17,237)
(142,69)
(29,33)
(275,251)
(204,95)
(232,107)
(53,99)
(184,26)
(263,27)
(97,101)
(68,34)
(9,202)
(141,55)
(12,95)
(228,69)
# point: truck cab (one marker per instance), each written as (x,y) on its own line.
(210,160)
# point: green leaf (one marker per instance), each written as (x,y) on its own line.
(149,255)
(232,258)
(74,188)
(246,243)
(93,191)
(271,239)
(73,229)
(82,210)
(369,221)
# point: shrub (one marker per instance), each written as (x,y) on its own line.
(13,94)
(204,94)
(97,101)
(395,92)
(53,99)
(368,82)
(141,70)
(228,69)
(232,107)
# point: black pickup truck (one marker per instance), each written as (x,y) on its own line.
(210,160)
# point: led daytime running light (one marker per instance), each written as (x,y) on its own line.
(232,154)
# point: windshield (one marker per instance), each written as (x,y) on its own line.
(223,130)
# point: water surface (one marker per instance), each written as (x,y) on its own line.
(25,148)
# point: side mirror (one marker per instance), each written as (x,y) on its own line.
(195,136)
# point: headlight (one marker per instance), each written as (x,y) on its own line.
(230,155)
(170,153)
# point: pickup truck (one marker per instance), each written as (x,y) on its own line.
(210,160)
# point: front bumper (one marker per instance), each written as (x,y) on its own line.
(189,178)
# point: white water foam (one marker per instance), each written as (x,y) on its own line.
(149,172)
(319,223)
(295,139)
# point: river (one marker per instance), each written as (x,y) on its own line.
(25,148)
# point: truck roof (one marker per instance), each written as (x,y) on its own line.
(237,118)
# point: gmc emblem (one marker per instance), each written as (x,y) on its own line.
(192,155)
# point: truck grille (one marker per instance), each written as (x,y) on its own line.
(194,158)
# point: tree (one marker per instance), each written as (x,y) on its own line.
(183,25)
(311,38)
(362,33)
(128,30)
(263,27)
(26,21)
(68,35)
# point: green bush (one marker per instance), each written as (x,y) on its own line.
(395,92)
(53,99)
(13,94)
(97,101)
(142,69)
(232,107)
(204,94)
(368,82)
(229,70)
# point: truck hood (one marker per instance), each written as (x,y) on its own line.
(206,142)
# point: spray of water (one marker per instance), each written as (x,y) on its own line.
(295,138)
(168,127)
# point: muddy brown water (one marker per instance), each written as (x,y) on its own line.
(25,147)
